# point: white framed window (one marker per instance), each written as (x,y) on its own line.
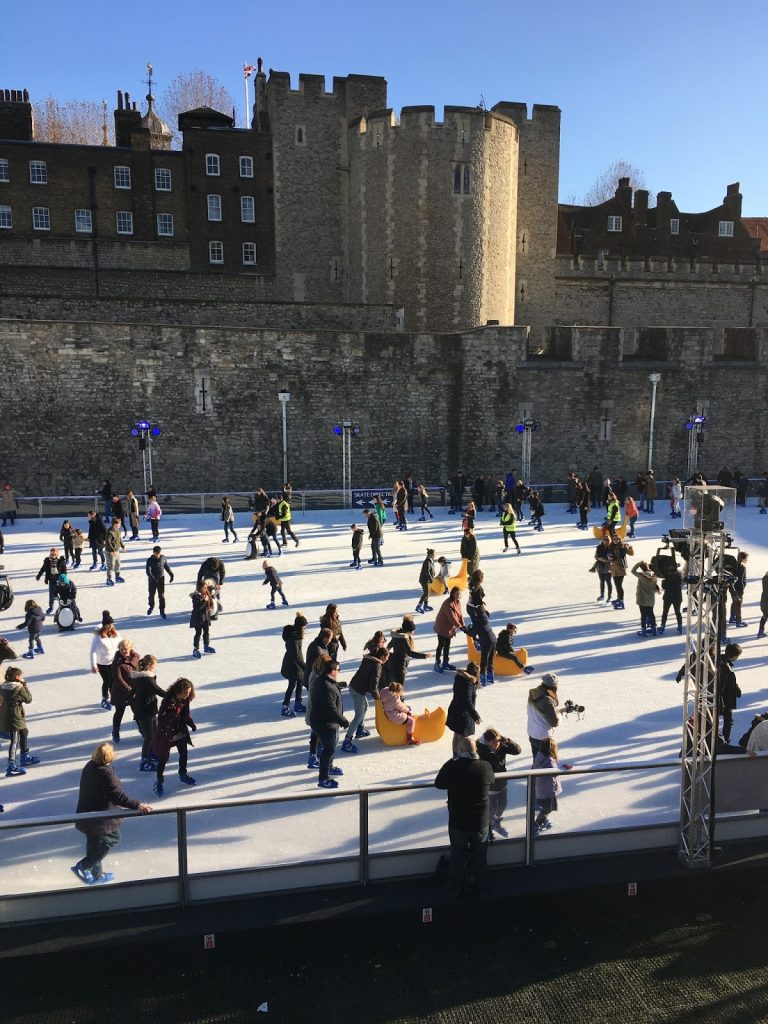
(247,209)
(246,166)
(124,221)
(6,217)
(122,177)
(300,135)
(212,165)
(615,223)
(214,207)
(674,226)
(249,253)
(38,172)
(162,179)
(165,224)
(461,179)
(41,218)
(215,252)
(725,229)
(5,170)
(83,221)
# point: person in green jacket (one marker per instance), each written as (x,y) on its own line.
(15,695)
(508,526)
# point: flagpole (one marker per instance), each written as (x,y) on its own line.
(246,77)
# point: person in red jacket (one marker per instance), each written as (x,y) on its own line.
(448,621)
(173,724)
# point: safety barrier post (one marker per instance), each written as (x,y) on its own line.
(181,841)
(530,816)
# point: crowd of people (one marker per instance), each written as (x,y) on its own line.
(476,799)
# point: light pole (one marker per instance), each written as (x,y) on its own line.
(694,425)
(146,433)
(527,427)
(284,398)
(654,378)
(346,430)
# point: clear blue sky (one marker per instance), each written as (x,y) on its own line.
(677,88)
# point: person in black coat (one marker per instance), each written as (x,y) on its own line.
(426,575)
(467,780)
(97,535)
(293,667)
(374,532)
(143,701)
(200,619)
(672,589)
(462,716)
(494,748)
(357,543)
(326,716)
(401,646)
(157,566)
(53,564)
(364,682)
(101,790)
(728,688)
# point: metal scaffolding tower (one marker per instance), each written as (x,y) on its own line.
(707,579)
(346,429)
(694,425)
(527,427)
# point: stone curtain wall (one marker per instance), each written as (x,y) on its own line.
(427,403)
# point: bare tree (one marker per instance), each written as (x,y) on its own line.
(190,90)
(605,184)
(73,121)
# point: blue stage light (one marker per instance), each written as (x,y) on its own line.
(134,432)
(520,428)
(337,430)
(155,431)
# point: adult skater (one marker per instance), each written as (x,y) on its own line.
(228,519)
(9,504)
(483,634)
(174,721)
(763,607)
(293,666)
(106,497)
(213,569)
(101,790)
(426,575)
(200,619)
(117,511)
(374,532)
(467,780)
(630,511)
(462,714)
(132,503)
(583,505)
(651,491)
(542,711)
(728,688)
(284,518)
(66,536)
(326,718)
(672,590)
(509,526)
(156,567)
(603,560)
(424,504)
(538,511)
(448,621)
(330,619)
(103,651)
(53,564)
(13,721)
(125,663)
(113,546)
(363,683)
(152,516)
(736,589)
(469,549)
(619,552)
(97,534)
(647,589)
(401,504)
(145,692)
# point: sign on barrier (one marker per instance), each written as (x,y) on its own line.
(363,497)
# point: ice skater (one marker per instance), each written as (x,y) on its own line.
(174,721)
(647,589)
(15,694)
(53,564)
(426,576)
(293,667)
(200,619)
(494,748)
(228,519)
(424,504)
(357,543)
(156,568)
(275,584)
(33,623)
(508,521)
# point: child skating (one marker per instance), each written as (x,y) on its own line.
(275,583)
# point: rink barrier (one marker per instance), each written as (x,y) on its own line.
(522,851)
(307,500)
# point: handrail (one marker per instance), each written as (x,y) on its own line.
(334,794)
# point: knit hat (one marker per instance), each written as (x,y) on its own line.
(300,621)
(473,669)
(106,619)
(549,680)
(408,624)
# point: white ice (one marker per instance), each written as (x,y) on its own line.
(244,748)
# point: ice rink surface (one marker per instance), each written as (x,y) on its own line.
(243,747)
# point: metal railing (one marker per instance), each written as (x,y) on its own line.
(632,835)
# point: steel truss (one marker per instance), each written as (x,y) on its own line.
(705,625)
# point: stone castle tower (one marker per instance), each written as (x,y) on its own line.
(454,221)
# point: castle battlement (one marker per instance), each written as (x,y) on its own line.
(315,85)
(458,119)
(655,267)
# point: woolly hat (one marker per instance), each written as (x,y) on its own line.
(106,619)
(549,681)
(408,624)
(300,621)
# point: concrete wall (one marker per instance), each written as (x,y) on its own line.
(426,403)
